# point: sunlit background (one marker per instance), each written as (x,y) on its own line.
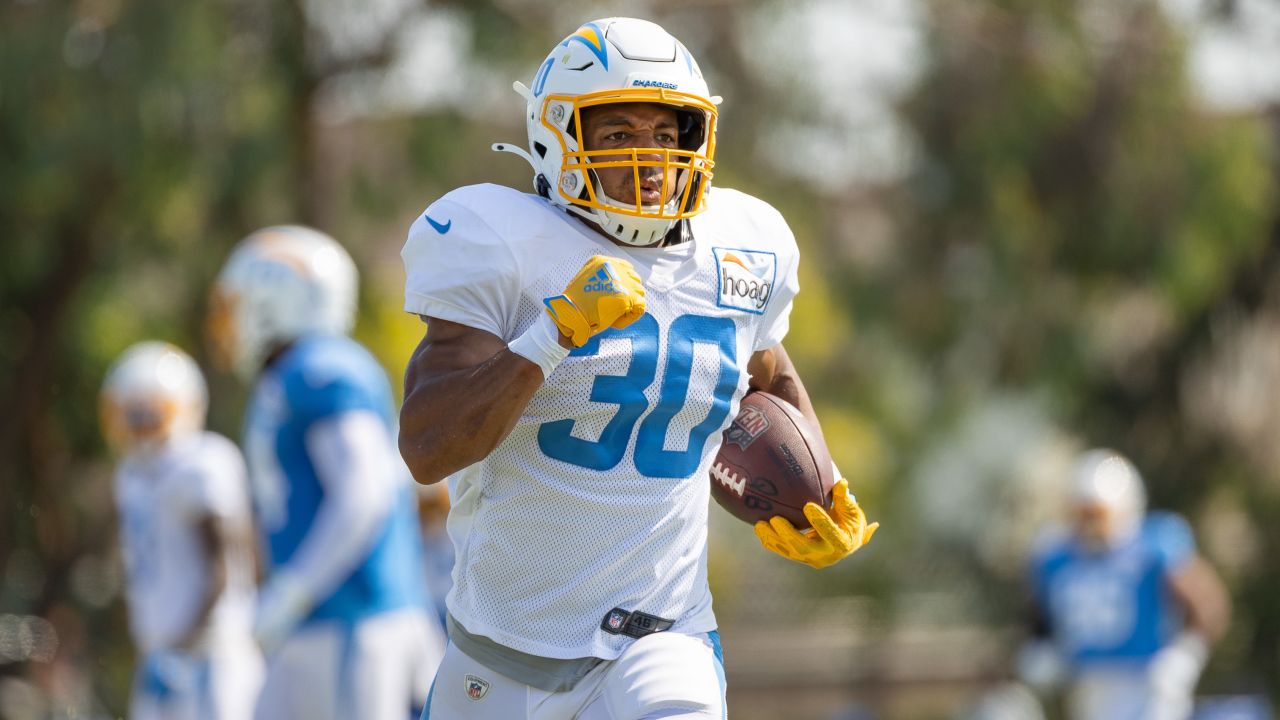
(1028,226)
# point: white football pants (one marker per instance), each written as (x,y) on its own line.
(218,683)
(1127,694)
(665,675)
(377,669)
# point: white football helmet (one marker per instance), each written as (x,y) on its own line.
(279,284)
(619,60)
(153,392)
(1107,489)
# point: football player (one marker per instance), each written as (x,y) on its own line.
(433,509)
(585,347)
(185,528)
(343,614)
(1126,609)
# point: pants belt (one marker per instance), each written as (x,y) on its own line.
(633,623)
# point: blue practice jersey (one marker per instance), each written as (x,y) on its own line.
(318,378)
(1114,605)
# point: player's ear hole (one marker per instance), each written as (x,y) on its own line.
(692,129)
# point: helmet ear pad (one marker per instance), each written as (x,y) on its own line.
(541,184)
(692,127)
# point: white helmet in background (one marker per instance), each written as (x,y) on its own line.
(1108,495)
(279,284)
(152,393)
(619,60)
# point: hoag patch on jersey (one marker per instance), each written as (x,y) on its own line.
(745,278)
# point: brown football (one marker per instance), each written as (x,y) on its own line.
(771,462)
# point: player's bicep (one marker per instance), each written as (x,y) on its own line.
(772,371)
(446,348)
(464,391)
(449,346)
(762,368)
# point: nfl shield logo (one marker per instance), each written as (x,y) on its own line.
(616,620)
(476,687)
(749,425)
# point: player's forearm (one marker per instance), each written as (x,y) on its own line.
(455,419)
(217,583)
(213,537)
(1205,599)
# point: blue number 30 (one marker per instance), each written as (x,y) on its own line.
(627,392)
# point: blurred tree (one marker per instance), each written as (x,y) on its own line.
(139,141)
(1074,226)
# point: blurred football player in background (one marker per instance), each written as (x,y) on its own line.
(343,613)
(433,509)
(1126,609)
(1009,701)
(185,528)
(585,348)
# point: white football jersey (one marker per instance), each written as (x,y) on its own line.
(598,498)
(162,498)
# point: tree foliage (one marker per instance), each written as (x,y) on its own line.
(1075,229)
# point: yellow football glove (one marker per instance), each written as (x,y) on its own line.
(605,293)
(831,538)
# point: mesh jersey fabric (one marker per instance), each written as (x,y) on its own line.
(598,497)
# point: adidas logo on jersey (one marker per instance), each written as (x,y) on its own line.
(746,278)
(601,282)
